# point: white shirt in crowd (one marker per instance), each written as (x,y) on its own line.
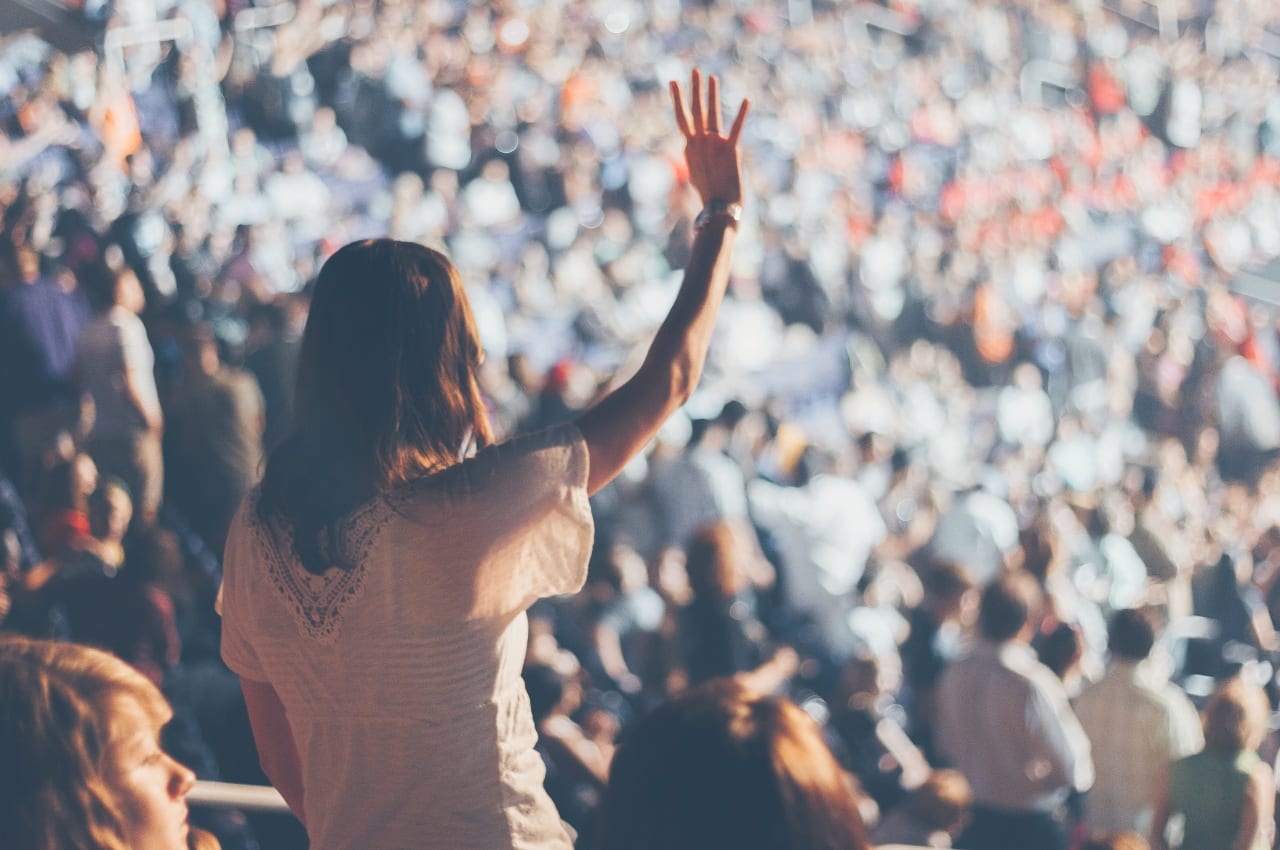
(112,345)
(978,532)
(1004,721)
(1138,726)
(696,488)
(825,531)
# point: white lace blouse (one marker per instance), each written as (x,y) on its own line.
(401,678)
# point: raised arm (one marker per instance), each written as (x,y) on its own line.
(622,423)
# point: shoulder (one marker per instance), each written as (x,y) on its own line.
(543,460)
(1186,765)
(1024,672)
(244,523)
(1173,699)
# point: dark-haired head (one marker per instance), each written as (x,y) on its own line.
(1131,634)
(1008,604)
(387,389)
(722,766)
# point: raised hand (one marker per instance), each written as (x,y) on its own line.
(714,164)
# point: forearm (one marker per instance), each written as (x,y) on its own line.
(679,350)
(770,676)
(609,651)
(625,420)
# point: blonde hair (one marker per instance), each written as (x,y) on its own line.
(61,703)
(943,801)
(1117,841)
(1235,718)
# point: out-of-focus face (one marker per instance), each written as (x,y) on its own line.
(150,787)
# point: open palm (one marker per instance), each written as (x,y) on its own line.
(714,163)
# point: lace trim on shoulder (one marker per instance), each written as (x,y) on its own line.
(319,602)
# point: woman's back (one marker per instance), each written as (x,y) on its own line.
(404,693)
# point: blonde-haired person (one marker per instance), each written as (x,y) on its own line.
(1225,792)
(375,586)
(84,769)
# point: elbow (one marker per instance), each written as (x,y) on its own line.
(278,772)
(270,769)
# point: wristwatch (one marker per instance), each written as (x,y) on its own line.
(718,209)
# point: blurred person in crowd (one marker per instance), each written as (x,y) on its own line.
(62,493)
(1138,724)
(1225,793)
(215,427)
(722,766)
(937,626)
(577,761)
(1157,545)
(1061,650)
(1049,547)
(325,565)
(719,627)
(114,366)
(272,357)
(85,764)
(933,816)
(1248,420)
(1228,594)
(700,486)
(15,520)
(825,528)
(980,530)
(40,320)
(626,617)
(869,738)
(1003,720)
(98,554)
(110,599)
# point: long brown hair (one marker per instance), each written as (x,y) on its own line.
(722,766)
(58,701)
(387,390)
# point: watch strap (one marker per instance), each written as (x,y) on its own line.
(719,209)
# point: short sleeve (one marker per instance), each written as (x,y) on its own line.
(135,349)
(528,498)
(234,599)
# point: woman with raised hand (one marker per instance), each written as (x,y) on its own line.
(376,583)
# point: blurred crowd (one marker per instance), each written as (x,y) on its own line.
(1000,308)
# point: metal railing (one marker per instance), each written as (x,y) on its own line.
(229,795)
